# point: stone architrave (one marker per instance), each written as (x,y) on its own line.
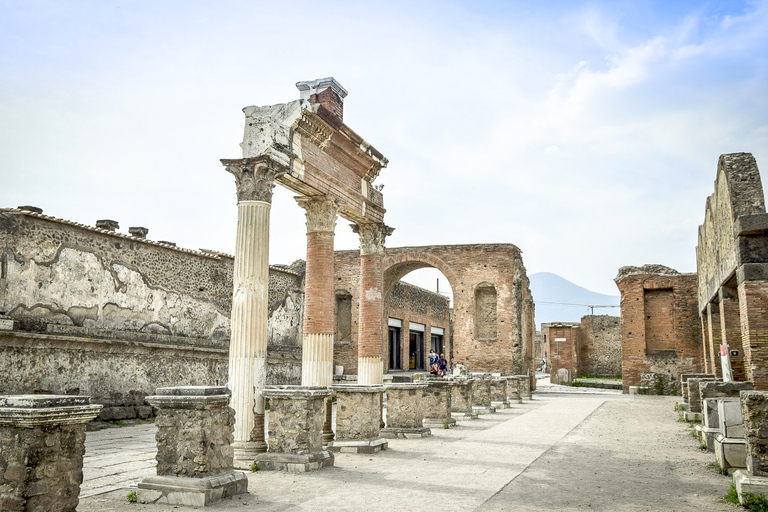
(481,394)
(358,419)
(194,448)
(405,414)
(42,443)
(296,416)
(754,479)
(437,402)
(255,179)
(317,346)
(370,339)
(499,393)
(461,399)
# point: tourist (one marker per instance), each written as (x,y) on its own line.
(433,362)
(442,366)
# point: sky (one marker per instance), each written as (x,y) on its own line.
(585,133)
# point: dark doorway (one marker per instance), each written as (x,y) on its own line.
(394,348)
(416,350)
(437,343)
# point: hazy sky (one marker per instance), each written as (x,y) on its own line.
(585,133)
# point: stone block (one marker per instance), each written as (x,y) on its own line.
(692,416)
(730,453)
(405,414)
(694,394)
(499,392)
(709,412)
(461,399)
(195,492)
(706,436)
(730,422)
(437,402)
(684,382)
(358,419)
(481,390)
(747,483)
(754,406)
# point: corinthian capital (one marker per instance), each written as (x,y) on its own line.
(321,212)
(372,236)
(254,177)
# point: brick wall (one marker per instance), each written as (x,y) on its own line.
(600,353)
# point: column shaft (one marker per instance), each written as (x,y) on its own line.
(317,350)
(370,337)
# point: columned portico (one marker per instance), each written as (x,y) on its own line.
(255,179)
(370,365)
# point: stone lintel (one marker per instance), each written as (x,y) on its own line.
(756,224)
(752,272)
(29,411)
(357,388)
(296,392)
(358,446)
(294,463)
(197,492)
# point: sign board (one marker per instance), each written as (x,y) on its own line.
(558,340)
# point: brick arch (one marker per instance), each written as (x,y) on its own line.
(396,266)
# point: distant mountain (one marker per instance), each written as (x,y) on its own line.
(549,287)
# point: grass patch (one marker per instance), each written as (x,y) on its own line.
(132,497)
(718,468)
(752,502)
(254,468)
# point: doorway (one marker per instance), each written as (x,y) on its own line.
(394,348)
(416,350)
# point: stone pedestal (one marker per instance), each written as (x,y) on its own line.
(405,414)
(437,403)
(684,382)
(358,419)
(481,394)
(296,417)
(524,386)
(41,451)
(513,390)
(499,393)
(730,445)
(461,399)
(694,399)
(194,448)
(754,480)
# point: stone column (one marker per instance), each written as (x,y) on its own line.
(254,178)
(358,416)
(437,402)
(461,399)
(754,406)
(714,335)
(42,442)
(405,414)
(194,448)
(370,338)
(731,332)
(296,416)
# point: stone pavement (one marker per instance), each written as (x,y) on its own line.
(551,449)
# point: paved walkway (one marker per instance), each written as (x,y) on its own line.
(561,451)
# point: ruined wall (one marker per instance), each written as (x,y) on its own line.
(90,311)
(467,268)
(659,326)
(564,353)
(411,303)
(600,351)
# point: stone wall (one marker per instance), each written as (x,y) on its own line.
(600,351)
(660,330)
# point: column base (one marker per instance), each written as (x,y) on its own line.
(730,452)
(465,415)
(747,483)
(294,463)
(440,422)
(500,405)
(405,433)
(481,409)
(196,492)
(246,452)
(361,446)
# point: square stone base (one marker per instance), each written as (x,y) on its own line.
(500,405)
(480,409)
(440,422)
(294,463)
(731,452)
(196,492)
(707,436)
(464,415)
(692,416)
(749,484)
(405,433)
(368,446)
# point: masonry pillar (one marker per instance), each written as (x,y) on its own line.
(754,480)
(753,303)
(370,339)
(704,343)
(730,327)
(254,178)
(715,338)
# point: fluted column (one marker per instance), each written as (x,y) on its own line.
(317,348)
(254,178)
(370,338)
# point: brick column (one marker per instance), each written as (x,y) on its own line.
(254,178)
(730,328)
(370,339)
(704,343)
(715,338)
(753,304)
(42,442)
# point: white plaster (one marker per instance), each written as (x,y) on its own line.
(373,294)
(370,370)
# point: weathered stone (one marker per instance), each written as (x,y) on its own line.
(358,419)
(41,451)
(437,402)
(694,394)
(754,406)
(461,399)
(684,382)
(405,414)
(499,392)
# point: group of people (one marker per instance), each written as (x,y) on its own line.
(438,365)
